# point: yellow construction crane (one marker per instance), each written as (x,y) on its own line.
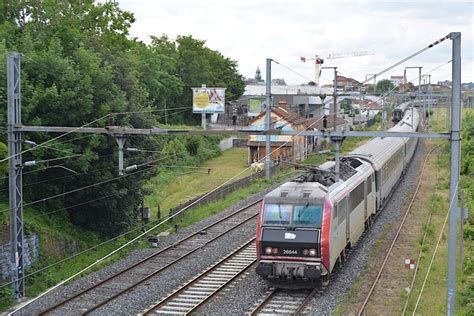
(318,61)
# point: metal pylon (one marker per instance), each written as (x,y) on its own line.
(15,174)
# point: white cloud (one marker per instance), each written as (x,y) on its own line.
(251,31)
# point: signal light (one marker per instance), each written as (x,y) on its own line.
(275,251)
(305,252)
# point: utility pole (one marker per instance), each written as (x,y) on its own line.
(375,80)
(203,114)
(335,110)
(430,104)
(15,187)
(454,179)
(268,116)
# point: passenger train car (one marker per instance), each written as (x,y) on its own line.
(399,111)
(306,225)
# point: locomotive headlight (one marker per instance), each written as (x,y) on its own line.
(312,252)
(268,250)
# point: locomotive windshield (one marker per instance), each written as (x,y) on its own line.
(307,215)
(294,215)
(277,214)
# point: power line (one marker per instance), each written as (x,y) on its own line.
(393,89)
(452,202)
(39,170)
(94,184)
(87,124)
(83,251)
(299,74)
(63,177)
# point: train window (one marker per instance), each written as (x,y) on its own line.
(342,206)
(277,214)
(357,196)
(334,211)
(369,184)
(310,215)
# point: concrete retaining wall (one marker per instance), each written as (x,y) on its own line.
(31,252)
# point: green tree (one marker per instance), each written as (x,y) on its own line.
(384,85)
(79,65)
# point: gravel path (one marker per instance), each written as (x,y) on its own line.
(250,288)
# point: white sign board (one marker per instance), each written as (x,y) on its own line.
(208,100)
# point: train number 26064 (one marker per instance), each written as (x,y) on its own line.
(290,252)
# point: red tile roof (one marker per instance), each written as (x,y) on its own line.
(294,118)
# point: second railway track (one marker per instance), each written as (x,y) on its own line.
(213,280)
(116,285)
(283,302)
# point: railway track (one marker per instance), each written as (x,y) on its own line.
(380,271)
(121,283)
(203,287)
(283,302)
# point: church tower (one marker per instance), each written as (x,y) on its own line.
(258,75)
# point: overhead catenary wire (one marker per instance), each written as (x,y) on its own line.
(50,166)
(85,250)
(297,73)
(396,64)
(451,206)
(81,137)
(85,125)
(94,184)
(426,73)
(64,177)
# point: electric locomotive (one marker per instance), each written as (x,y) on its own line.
(306,225)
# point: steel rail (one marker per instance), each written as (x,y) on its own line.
(208,272)
(131,287)
(263,302)
(375,282)
(273,293)
(160,252)
(308,299)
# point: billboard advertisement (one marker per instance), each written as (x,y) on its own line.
(256,105)
(208,100)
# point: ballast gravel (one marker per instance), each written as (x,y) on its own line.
(141,297)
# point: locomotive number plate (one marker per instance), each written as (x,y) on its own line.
(290,252)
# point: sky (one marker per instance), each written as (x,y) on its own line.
(250,31)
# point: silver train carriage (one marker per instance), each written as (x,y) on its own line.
(305,225)
(399,111)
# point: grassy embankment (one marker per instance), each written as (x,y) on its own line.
(432,301)
(170,190)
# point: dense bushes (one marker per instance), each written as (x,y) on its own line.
(79,65)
